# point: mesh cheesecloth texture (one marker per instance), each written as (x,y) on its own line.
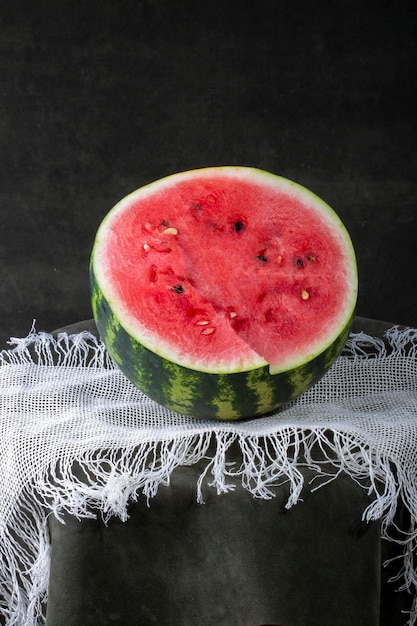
(78,437)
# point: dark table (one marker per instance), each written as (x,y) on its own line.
(233,561)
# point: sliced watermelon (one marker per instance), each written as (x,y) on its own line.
(223,292)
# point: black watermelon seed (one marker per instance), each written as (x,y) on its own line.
(178,288)
(238,226)
(262,258)
(299,262)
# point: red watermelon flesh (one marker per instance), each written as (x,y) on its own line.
(226,269)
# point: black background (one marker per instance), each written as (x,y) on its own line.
(99,98)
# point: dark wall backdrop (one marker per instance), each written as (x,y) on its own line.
(98,98)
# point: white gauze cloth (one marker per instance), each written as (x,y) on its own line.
(64,403)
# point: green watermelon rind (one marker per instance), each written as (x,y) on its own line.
(206,395)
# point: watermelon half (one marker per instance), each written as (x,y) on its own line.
(223,292)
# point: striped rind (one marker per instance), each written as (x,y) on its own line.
(199,394)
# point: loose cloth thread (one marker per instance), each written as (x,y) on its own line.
(77,437)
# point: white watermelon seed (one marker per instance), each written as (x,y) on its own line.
(207,331)
(202,323)
(146,247)
(170,231)
(304,294)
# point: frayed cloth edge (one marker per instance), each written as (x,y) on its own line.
(123,476)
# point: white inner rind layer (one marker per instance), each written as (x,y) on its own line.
(101,257)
